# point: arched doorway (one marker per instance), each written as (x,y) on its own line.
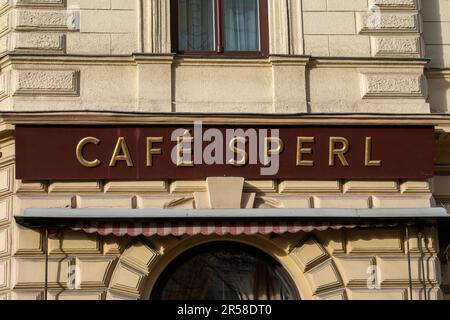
(224,271)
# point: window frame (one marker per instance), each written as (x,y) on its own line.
(219,33)
(177,262)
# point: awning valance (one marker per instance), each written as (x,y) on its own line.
(163,222)
(205,228)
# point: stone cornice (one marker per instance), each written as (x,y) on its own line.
(438,74)
(135,59)
(117,118)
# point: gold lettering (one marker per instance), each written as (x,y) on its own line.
(301,151)
(121,153)
(151,151)
(79,152)
(268,151)
(244,155)
(181,151)
(338,152)
(368,155)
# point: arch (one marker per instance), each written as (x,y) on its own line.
(214,259)
(140,265)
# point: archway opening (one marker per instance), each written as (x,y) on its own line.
(224,271)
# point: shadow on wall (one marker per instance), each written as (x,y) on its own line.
(439,88)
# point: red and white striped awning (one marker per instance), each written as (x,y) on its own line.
(204,228)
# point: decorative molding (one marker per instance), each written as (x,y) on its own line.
(261,186)
(5,24)
(386,46)
(285,27)
(156,186)
(40,3)
(52,20)
(156,25)
(4,85)
(30,186)
(46,82)
(188,186)
(73,187)
(4,5)
(310,186)
(415,187)
(395,4)
(371,187)
(389,23)
(392,85)
(38,42)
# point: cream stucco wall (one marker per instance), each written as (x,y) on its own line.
(116,55)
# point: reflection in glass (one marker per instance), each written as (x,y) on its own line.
(196,25)
(241,25)
(225,272)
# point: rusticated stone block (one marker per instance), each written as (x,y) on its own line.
(396,46)
(309,254)
(388,23)
(126,280)
(5,241)
(45,20)
(140,256)
(390,85)
(355,270)
(26,241)
(393,270)
(5,211)
(75,242)
(46,82)
(374,240)
(38,42)
(95,271)
(324,277)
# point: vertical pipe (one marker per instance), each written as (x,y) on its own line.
(409,263)
(422,257)
(46,263)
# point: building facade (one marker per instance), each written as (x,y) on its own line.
(356,65)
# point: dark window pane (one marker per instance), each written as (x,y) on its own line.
(241,25)
(196,25)
(225,272)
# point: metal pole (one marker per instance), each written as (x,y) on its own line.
(409,263)
(46,263)
(422,257)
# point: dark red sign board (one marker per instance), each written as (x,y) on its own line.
(49,153)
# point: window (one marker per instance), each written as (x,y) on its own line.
(220,27)
(224,271)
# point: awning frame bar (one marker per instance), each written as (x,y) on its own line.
(65,213)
